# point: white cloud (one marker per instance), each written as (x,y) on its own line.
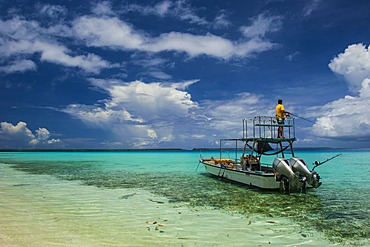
(140,113)
(156,113)
(261,25)
(116,34)
(194,45)
(149,101)
(187,13)
(365,89)
(25,38)
(227,114)
(311,6)
(19,136)
(59,55)
(292,56)
(178,9)
(160,75)
(105,31)
(253,46)
(53,11)
(353,64)
(103,8)
(183,85)
(101,116)
(18,66)
(348,118)
(160,9)
(221,21)
(42,134)
(18,132)
(53,141)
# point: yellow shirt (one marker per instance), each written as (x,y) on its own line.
(280,111)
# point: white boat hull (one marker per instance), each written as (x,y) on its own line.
(251,178)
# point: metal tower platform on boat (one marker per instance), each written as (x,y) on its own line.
(259,133)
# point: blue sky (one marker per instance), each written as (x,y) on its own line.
(161,74)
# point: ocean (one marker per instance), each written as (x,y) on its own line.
(165,198)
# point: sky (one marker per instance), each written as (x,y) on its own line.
(181,73)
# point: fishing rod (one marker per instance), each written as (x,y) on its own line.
(318,163)
(308,120)
(302,118)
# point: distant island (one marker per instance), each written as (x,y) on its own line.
(94,150)
(153,149)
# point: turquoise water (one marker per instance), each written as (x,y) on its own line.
(340,208)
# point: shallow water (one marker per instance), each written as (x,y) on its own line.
(338,211)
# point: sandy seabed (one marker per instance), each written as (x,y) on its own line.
(40,210)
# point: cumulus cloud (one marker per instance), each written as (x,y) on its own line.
(142,112)
(353,64)
(150,101)
(42,134)
(18,132)
(348,118)
(19,136)
(157,113)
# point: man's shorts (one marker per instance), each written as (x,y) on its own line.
(280,120)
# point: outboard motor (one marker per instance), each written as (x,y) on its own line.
(281,166)
(298,165)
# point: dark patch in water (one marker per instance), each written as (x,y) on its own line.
(159,202)
(21,185)
(127,196)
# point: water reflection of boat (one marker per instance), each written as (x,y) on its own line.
(259,135)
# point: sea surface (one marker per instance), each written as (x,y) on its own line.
(165,198)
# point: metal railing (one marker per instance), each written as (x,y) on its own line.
(266,127)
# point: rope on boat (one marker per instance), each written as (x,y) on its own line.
(200,158)
(274,153)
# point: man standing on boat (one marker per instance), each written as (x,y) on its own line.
(280,117)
